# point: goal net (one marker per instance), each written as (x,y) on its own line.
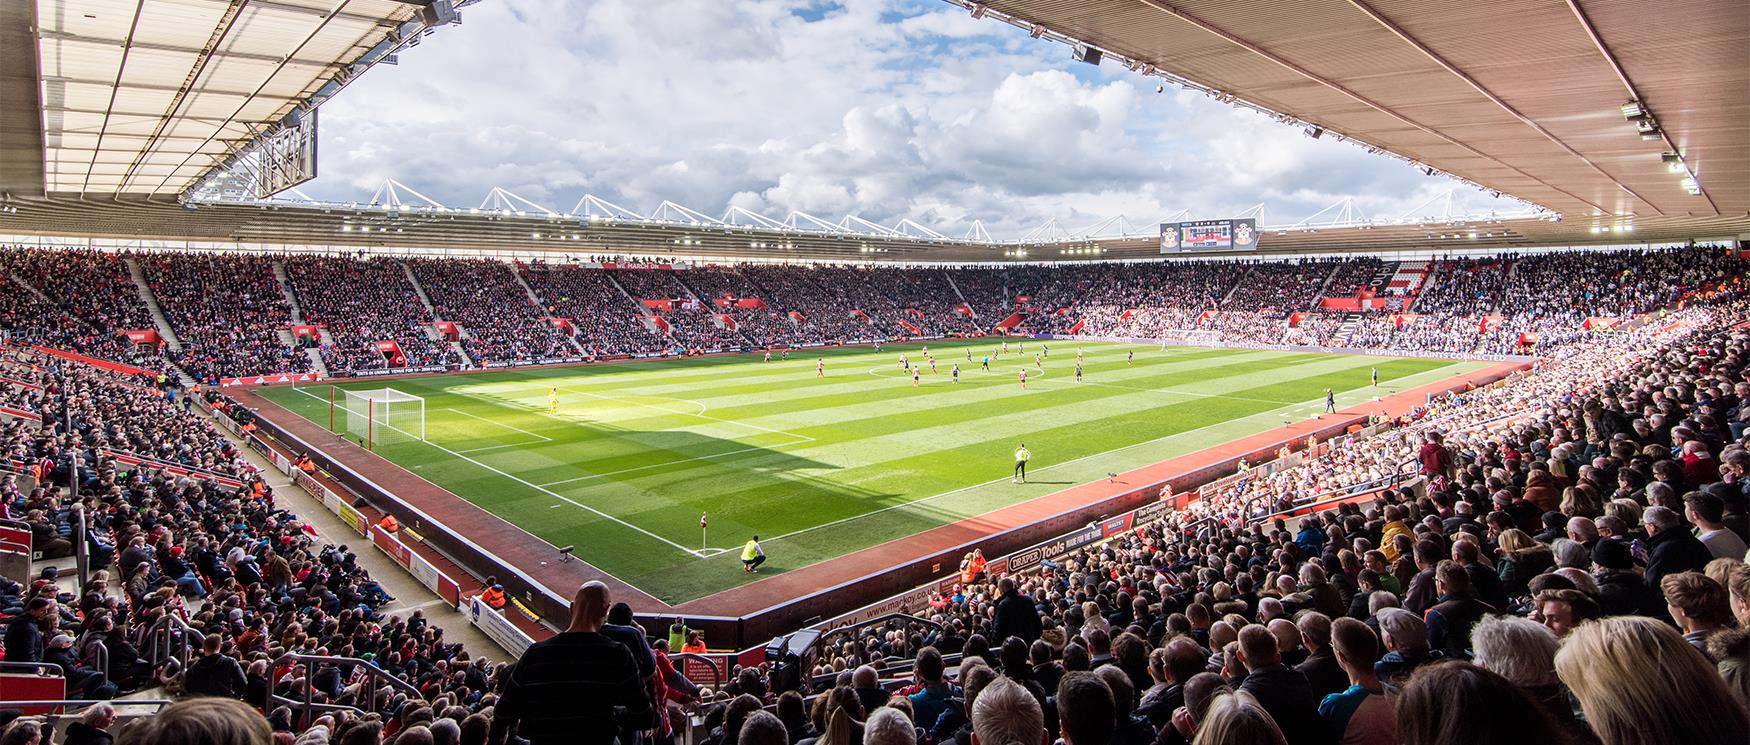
(384,415)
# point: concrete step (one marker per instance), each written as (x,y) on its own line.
(279,273)
(164,330)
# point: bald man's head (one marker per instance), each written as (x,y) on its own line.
(589,608)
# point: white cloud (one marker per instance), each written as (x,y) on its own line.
(883,108)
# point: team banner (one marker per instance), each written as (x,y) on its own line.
(1209,235)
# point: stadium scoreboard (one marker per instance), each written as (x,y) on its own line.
(1209,235)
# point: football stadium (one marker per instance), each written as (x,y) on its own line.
(885,372)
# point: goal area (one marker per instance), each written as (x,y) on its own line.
(384,416)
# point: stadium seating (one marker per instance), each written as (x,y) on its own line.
(1562,494)
(231,313)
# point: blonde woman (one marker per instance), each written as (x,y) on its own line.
(1237,719)
(1640,683)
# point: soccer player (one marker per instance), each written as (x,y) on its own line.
(956,372)
(1330,402)
(932,366)
(1375,372)
(878,347)
(914,376)
(752,556)
(1023,378)
(553,401)
(820,367)
(768,356)
(784,355)
(1078,354)
(985,363)
(1005,346)
(1047,349)
(1022,455)
(1078,372)
(1037,362)
(1128,356)
(969,354)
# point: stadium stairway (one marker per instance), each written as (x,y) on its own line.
(963,301)
(516,271)
(151,301)
(285,280)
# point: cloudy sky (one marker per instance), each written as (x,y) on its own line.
(885,109)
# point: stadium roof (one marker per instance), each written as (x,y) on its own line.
(1531,99)
(109,97)
(1528,99)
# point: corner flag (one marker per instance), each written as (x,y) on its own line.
(701,519)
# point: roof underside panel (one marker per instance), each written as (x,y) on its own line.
(145,97)
(1514,95)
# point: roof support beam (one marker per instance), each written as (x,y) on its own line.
(223,29)
(1633,94)
(21,124)
(115,86)
(1230,38)
(1486,93)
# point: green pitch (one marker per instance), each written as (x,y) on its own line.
(819,467)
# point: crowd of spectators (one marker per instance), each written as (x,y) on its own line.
(1562,563)
(228,311)
(1555,558)
(231,314)
(604,319)
(359,302)
(499,322)
(227,569)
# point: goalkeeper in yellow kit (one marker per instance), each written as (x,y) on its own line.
(553,401)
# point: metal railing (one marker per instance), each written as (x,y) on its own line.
(169,644)
(309,705)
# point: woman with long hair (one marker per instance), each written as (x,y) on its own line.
(1640,683)
(1237,719)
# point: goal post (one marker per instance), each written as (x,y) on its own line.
(384,415)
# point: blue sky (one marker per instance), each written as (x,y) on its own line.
(886,109)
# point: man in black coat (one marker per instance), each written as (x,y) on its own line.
(1621,592)
(1283,692)
(215,673)
(24,634)
(1320,668)
(1671,548)
(1457,610)
(1015,616)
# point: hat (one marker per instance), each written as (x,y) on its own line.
(61,640)
(175,550)
(1612,554)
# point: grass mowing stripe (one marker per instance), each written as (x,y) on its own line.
(907,459)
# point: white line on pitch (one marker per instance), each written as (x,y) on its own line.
(1277,411)
(665,464)
(500,424)
(536,487)
(700,415)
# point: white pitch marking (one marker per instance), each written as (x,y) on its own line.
(499,424)
(669,463)
(1277,411)
(701,415)
(548,492)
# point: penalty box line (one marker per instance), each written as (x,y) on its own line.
(688,551)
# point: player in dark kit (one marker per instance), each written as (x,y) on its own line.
(1078,372)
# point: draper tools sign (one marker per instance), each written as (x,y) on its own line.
(1209,235)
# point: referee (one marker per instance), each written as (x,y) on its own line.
(1022,455)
